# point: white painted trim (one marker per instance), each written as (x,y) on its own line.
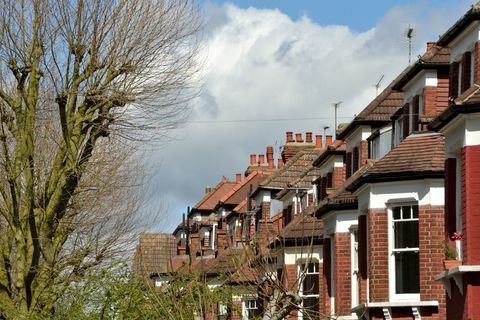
(339,221)
(465,41)
(353,139)
(425,78)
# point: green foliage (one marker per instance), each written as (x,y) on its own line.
(450,253)
(113,293)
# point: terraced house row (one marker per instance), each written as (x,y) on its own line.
(381,223)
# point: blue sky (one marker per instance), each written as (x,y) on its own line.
(358,15)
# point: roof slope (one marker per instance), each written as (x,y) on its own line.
(153,254)
(416,157)
(460,25)
(240,191)
(303,226)
(292,170)
(211,199)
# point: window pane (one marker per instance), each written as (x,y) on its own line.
(415,212)
(311,308)
(406,212)
(406,234)
(407,272)
(310,284)
(396,213)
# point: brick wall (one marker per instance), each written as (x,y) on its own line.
(430,101)
(342,274)
(338,177)
(377,226)
(431,231)
(471,228)
(290,277)
(363,152)
(470,204)
(442,92)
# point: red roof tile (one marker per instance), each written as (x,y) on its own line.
(416,156)
(211,199)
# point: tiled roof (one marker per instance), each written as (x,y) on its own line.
(292,170)
(470,96)
(304,225)
(337,147)
(417,156)
(460,25)
(153,254)
(211,199)
(240,191)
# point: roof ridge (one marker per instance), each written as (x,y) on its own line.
(240,185)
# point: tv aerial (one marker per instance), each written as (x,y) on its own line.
(409,34)
(377,85)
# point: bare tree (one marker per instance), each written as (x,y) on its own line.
(77,79)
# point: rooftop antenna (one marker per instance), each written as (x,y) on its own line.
(377,85)
(336,105)
(409,34)
(325,133)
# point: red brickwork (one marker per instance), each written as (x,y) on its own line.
(342,274)
(431,228)
(471,205)
(290,276)
(430,101)
(363,152)
(338,177)
(378,254)
(442,92)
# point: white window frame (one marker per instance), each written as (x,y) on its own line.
(398,131)
(246,308)
(391,261)
(301,273)
(354,258)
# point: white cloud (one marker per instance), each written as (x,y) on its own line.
(261,64)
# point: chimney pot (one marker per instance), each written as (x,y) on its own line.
(269,150)
(238,177)
(430,45)
(253,159)
(298,137)
(261,159)
(280,163)
(308,137)
(289,136)
(318,141)
(328,141)
(271,163)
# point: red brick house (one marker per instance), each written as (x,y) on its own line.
(460,123)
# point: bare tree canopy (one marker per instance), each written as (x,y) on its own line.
(76,77)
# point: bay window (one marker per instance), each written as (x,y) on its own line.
(250,308)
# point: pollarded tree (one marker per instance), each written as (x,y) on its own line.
(77,77)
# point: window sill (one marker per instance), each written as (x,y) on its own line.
(395,304)
(457,275)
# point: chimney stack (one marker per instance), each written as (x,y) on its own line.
(328,141)
(238,177)
(318,141)
(430,45)
(298,137)
(289,136)
(308,137)
(270,160)
(261,159)
(280,163)
(253,159)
